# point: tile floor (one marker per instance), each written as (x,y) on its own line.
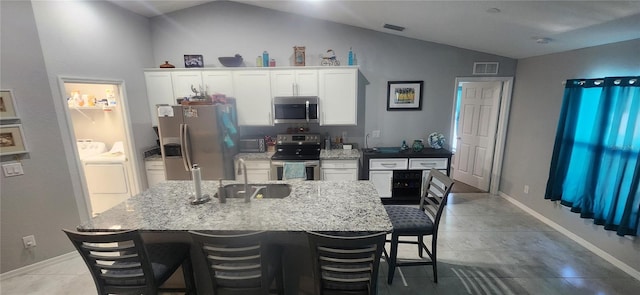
(486,246)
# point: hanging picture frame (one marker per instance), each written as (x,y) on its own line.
(12,140)
(8,109)
(404,95)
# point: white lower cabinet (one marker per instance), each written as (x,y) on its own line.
(257,170)
(381,174)
(382,182)
(155,172)
(339,170)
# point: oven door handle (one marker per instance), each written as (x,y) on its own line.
(306,163)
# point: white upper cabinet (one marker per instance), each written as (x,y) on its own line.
(253,97)
(184,80)
(218,82)
(159,91)
(338,91)
(294,82)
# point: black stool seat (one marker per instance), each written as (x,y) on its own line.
(409,220)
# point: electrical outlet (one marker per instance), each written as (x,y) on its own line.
(29,241)
(375,133)
(526,189)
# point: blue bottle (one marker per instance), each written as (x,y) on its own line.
(350,56)
(265,59)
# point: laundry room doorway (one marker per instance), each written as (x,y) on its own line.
(99,127)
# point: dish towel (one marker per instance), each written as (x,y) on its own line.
(294,170)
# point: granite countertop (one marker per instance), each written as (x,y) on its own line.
(339,154)
(155,157)
(311,206)
(335,154)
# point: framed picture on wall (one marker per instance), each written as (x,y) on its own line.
(404,95)
(7,105)
(12,140)
(193,61)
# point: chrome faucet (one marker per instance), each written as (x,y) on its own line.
(247,198)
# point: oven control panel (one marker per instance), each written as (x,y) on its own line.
(298,138)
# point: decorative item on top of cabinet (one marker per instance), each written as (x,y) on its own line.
(166,65)
(298,55)
(329,59)
(436,140)
(193,61)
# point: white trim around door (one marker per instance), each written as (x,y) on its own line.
(501,128)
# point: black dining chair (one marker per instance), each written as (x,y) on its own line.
(346,263)
(121,263)
(419,222)
(241,263)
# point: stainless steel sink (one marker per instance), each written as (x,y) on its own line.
(266,190)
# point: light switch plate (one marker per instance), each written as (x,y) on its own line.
(12,169)
(375,133)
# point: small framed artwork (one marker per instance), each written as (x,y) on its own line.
(298,55)
(404,95)
(7,105)
(193,61)
(12,140)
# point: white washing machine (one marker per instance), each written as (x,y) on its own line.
(106,174)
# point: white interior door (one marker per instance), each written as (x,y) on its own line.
(477,125)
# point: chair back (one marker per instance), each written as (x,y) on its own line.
(118,262)
(437,189)
(237,262)
(346,264)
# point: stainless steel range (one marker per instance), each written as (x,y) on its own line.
(298,147)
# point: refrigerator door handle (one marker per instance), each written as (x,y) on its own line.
(183,147)
(187,147)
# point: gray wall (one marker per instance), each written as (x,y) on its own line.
(76,38)
(535,108)
(42,201)
(225,28)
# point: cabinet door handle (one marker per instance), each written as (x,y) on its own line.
(388,165)
(428,164)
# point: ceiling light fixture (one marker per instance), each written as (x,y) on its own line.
(393,27)
(542,40)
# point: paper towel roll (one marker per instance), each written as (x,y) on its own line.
(197,179)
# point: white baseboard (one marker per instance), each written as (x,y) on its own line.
(38,265)
(591,247)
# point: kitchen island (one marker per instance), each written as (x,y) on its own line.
(164,213)
(311,206)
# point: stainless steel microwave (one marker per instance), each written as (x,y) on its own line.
(296,109)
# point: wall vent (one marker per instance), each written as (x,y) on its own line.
(485,68)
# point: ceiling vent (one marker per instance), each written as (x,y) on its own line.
(393,27)
(485,68)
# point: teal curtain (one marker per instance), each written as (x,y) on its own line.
(595,168)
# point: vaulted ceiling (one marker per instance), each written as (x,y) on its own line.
(516,29)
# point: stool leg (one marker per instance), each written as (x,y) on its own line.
(392,259)
(187,273)
(420,243)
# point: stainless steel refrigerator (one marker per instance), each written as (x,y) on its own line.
(198,134)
